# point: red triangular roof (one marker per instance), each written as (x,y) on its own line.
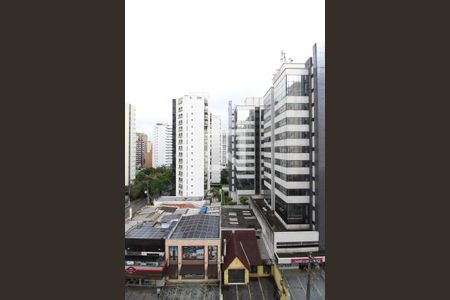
(241,244)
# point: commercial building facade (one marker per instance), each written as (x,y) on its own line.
(245,156)
(162,145)
(193,249)
(192,145)
(130,143)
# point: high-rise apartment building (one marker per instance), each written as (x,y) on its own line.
(148,157)
(224,146)
(192,145)
(215,148)
(130,143)
(246,133)
(294,158)
(162,145)
(141,149)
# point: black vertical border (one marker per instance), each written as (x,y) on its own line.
(62,119)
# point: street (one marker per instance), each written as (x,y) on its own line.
(135,205)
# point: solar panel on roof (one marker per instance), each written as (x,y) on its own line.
(197,227)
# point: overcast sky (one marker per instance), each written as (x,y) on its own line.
(229,49)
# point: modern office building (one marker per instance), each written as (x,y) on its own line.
(215,148)
(224,146)
(141,149)
(162,145)
(130,143)
(192,145)
(148,157)
(292,212)
(246,134)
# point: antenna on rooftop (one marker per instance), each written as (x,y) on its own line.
(283,57)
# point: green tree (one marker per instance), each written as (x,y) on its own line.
(224,176)
(243,199)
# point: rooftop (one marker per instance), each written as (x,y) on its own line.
(235,217)
(243,245)
(175,198)
(269,216)
(197,227)
(148,231)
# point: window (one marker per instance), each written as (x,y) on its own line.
(193,252)
(173,252)
(212,253)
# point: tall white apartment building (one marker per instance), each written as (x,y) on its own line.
(215,148)
(224,147)
(162,145)
(192,145)
(130,143)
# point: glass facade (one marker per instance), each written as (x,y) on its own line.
(288,120)
(247,135)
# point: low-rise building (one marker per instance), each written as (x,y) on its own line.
(193,249)
(242,258)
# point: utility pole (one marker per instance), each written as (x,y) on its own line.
(308,286)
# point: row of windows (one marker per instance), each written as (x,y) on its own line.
(293,135)
(245,149)
(292,149)
(292,121)
(297,85)
(292,106)
(245,142)
(292,177)
(245,165)
(267,129)
(245,157)
(293,163)
(245,184)
(246,134)
(293,192)
(245,172)
(292,213)
(245,126)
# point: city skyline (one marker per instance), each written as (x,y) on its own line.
(230,60)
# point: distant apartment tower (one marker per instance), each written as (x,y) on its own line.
(148,158)
(141,149)
(162,145)
(215,148)
(224,146)
(192,145)
(294,153)
(130,143)
(245,168)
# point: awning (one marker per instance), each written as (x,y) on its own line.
(212,270)
(192,269)
(140,275)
